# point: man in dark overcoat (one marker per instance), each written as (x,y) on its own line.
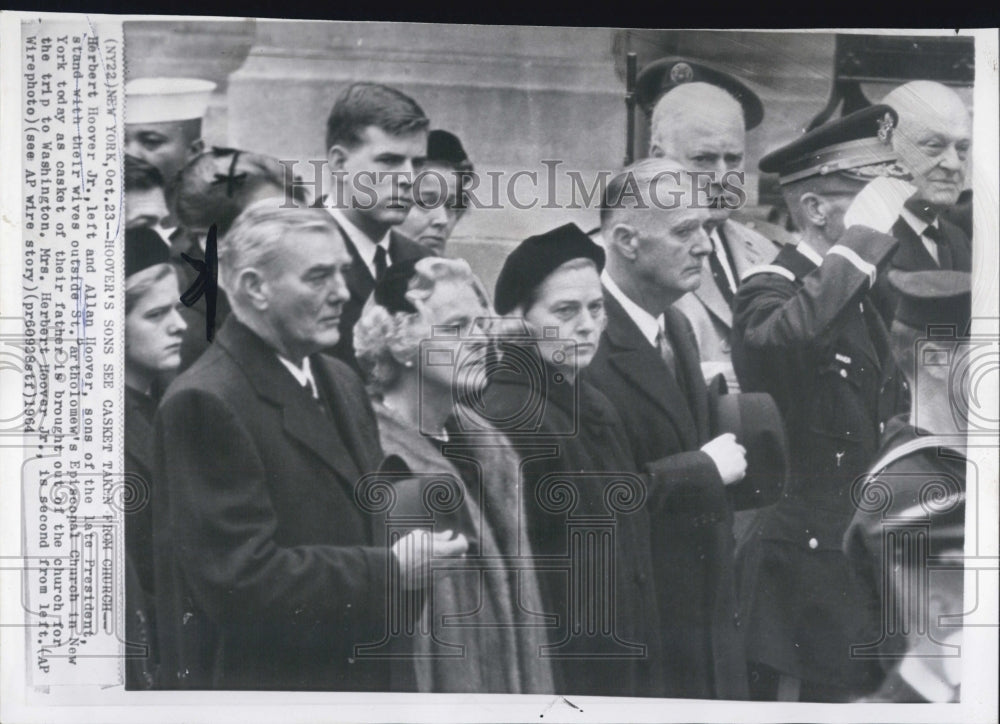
(269,575)
(647,365)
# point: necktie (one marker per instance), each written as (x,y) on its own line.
(666,352)
(944,251)
(381,263)
(926,214)
(313,391)
(719,274)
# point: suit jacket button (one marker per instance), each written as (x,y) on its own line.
(725,346)
(813,543)
(350,661)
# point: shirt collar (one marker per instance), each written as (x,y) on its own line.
(165,232)
(365,246)
(649,325)
(302,374)
(809,253)
(915,222)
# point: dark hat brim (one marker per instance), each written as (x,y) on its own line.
(663,75)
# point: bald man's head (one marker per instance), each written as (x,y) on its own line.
(932,139)
(702,127)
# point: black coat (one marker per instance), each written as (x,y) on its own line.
(140,590)
(912,255)
(361,283)
(811,337)
(268,573)
(692,541)
(587,443)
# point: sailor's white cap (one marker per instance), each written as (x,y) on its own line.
(160,100)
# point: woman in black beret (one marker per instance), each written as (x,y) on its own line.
(153,329)
(423,341)
(551,285)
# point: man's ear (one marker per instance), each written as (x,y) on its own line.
(625,240)
(814,207)
(336,157)
(252,286)
(655,151)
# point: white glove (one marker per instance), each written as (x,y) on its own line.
(879,204)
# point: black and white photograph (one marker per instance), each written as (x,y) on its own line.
(594,364)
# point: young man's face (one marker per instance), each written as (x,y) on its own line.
(167,146)
(378,173)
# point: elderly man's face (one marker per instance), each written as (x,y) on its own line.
(167,146)
(934,147)
(673,244)
(306,291)
(709,145)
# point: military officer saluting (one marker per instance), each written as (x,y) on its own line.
(804,330)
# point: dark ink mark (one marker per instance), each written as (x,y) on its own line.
(231,179)
(207,282)
(571,704)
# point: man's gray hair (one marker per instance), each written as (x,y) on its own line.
(701,100)
(257,236)
(650,183)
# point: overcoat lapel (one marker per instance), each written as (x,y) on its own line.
(634,357)
(303,419)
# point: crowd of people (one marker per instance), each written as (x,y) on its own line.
(648,464)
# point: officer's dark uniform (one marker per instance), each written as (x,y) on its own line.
(808,334)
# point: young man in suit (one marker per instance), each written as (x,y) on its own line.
(805,330)
(269,572)
(700,118)
(376,139)
(648,365)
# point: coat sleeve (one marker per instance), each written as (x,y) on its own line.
(772,316)
(686,484)
(222,524)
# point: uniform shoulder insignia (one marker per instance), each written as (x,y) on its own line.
(768,269)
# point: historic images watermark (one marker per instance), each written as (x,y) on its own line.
(555,188)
